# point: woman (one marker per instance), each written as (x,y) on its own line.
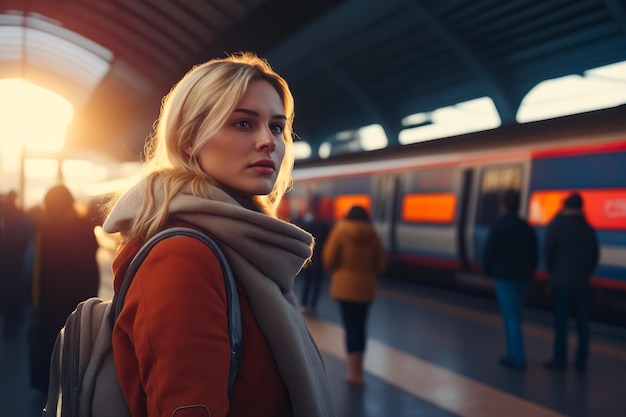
(353,256)
(219,161)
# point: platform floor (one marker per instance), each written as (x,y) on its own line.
(430,353)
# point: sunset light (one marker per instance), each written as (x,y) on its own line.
(31,117)
(33,121)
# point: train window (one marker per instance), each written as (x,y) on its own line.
(493,183)
(605,209)
(429,208)
(544,205)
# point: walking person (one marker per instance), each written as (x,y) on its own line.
(219,161)
(510,257)
(571,255)
(354,257)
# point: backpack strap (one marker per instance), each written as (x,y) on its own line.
(234,311)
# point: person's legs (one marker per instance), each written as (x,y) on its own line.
(11,303)
(581,306)
(355,318)
(560,297)
(315,279)
(13,321)
(12,313)
(522,291)
(41,338)
(306,287)
(509,300)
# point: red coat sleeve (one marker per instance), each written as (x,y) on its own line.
(173,333)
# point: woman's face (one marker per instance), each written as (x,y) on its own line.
(246,153)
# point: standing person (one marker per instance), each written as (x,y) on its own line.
(219,161)
(313,273)
(67,273)
(571,254)
(354,257)
(510,257)
(16,236)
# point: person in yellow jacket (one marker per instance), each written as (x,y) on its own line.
(354,257)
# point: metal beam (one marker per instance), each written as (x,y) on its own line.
(346,18)
(367,105)
(504,104)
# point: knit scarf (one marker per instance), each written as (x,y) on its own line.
(265,255)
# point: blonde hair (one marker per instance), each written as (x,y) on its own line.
(191,114)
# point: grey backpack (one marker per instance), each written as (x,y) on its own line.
(83,380)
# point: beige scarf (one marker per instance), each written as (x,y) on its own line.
(265,255)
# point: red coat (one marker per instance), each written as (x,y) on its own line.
(171,343)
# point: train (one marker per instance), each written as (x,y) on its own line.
(433,203)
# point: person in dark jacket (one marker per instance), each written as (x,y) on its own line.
(313,273)
(354,257)
(571,255)
(16,237)
(510,257)
(67,273)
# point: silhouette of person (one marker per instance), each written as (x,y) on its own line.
(510,257)
(313,273)
(571,255)
(16,235)
(354,257)
(67,273)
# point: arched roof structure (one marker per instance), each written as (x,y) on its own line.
(350,63)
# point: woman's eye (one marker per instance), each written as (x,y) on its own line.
(243,124)
(277,128)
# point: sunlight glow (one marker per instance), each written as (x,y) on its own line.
(33,121)
(41,174)
(31,117)
(41,168)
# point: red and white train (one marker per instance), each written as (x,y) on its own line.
(433,203)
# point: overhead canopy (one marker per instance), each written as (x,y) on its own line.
(349,63)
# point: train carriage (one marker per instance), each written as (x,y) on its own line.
(433,203)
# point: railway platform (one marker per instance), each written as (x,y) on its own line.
(429,353)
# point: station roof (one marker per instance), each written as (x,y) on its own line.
(349,63)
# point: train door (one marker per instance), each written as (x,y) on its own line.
(384,194)
(467,180)
(492,183)
(426,210)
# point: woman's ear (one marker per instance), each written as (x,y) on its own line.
(187,149)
